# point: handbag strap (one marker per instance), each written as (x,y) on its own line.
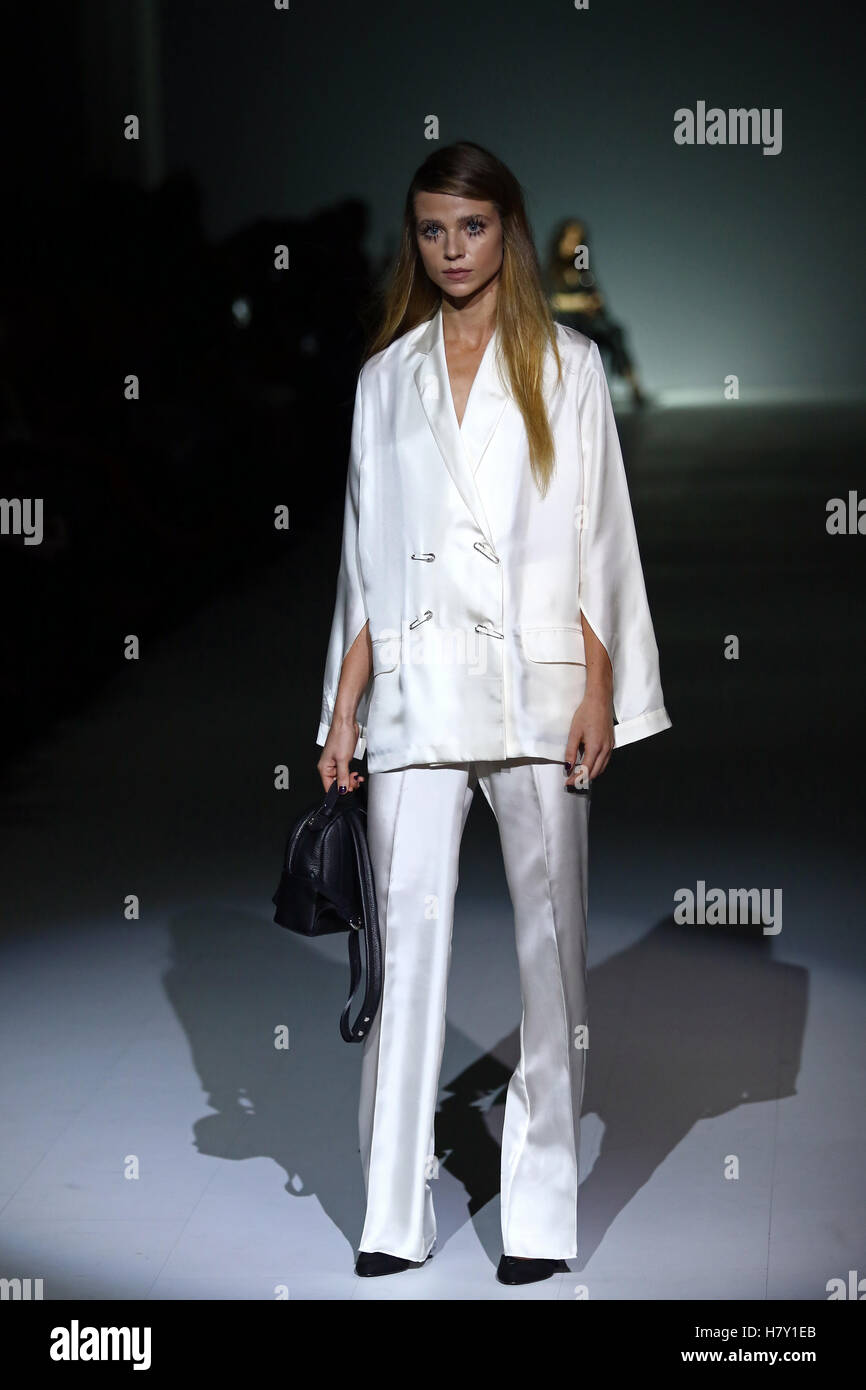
(368,926)
(325,811)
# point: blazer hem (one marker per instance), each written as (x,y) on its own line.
(432,755)
(629,731)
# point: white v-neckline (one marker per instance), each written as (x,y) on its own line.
(478,369)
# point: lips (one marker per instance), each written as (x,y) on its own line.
(457,274)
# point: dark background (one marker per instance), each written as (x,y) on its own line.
(304,126)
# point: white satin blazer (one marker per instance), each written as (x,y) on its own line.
(473,585)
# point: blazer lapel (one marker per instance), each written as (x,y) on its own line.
(461,450)
(487,401)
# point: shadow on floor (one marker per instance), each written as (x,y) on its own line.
(689,1022)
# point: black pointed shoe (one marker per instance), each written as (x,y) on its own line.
(513,1270)
(371,1263)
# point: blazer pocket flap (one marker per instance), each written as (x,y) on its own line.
(386,653)
(554,644)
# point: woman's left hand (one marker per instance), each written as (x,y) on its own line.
(591,726)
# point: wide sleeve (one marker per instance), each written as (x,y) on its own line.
(612,591)
(350,610)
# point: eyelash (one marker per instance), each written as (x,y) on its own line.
(427,231)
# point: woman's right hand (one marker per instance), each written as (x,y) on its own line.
(336,756)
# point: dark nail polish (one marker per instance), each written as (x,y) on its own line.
(569,766)
(342,789)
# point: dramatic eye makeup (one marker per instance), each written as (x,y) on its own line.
(474,225)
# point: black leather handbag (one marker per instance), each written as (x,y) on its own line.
(327,886)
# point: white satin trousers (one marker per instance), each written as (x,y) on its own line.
(415,821)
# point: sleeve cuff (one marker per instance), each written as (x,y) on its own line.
(641,727)
(360,746)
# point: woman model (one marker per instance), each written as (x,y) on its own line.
(491,623)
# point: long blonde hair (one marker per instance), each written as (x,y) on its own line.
(523,317)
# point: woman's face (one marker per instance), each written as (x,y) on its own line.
(460,241)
